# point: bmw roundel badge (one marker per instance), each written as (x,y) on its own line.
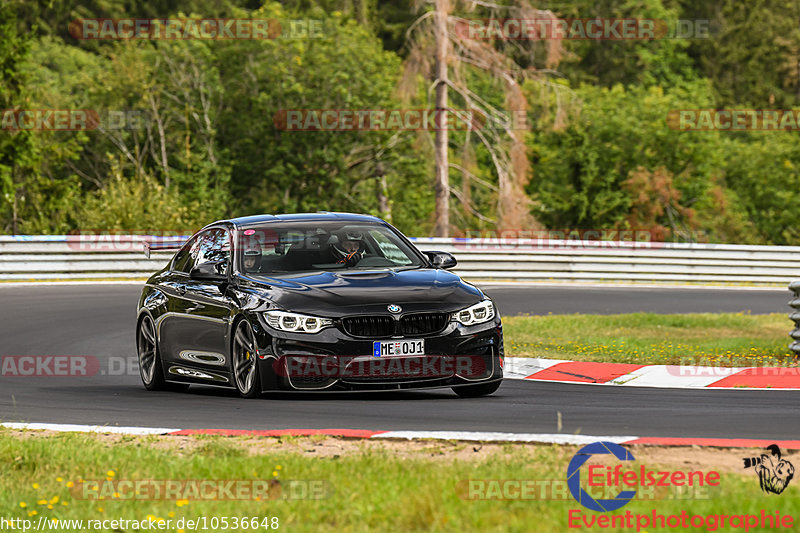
(394,308)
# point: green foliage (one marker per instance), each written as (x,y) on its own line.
(590,174)
(138,204)
(662,61)
(718,339)
(752,55)
(763,171)
(210,142)
(340,485)
(278,170)
(19,155)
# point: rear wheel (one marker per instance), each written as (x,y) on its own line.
(245,361)
(150,368)
(474,391)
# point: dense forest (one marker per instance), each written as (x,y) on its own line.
(574,132)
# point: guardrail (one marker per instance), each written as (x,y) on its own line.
(620,261)
(121,256)
(794,303)
(41,257)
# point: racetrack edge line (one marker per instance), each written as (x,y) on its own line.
(471,436)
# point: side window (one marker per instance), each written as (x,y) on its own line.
(212,245)
(182,262)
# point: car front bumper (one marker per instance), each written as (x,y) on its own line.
(332,360)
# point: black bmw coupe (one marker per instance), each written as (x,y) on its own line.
(313,302)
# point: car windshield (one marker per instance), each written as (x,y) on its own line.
(290,247)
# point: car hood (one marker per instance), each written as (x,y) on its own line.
(354,292)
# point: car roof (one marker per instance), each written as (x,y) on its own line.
(254,220)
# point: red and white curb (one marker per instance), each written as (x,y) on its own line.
(661,376)
(472,436)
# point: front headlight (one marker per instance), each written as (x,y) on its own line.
(296,322)
(476,314)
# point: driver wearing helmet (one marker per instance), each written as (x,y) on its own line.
(350,249)
(252,259)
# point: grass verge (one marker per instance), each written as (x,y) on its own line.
(724,339)
(372,486)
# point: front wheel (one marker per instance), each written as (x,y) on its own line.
(245,361)
(474,391)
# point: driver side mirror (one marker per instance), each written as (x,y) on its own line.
(208,272)
(443,260)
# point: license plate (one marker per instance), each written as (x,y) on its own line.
(403,347)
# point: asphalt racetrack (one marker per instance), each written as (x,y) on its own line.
(98,320)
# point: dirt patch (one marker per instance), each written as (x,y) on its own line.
(723,460)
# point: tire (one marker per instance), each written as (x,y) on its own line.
(244,361)
(150,368)
(474,391)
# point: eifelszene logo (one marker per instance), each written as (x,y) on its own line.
(599,490)
(774,472)
(574,477)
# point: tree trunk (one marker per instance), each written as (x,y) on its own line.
(442,185)
(14,226)
(513,210)
(163,140)
(384,207)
